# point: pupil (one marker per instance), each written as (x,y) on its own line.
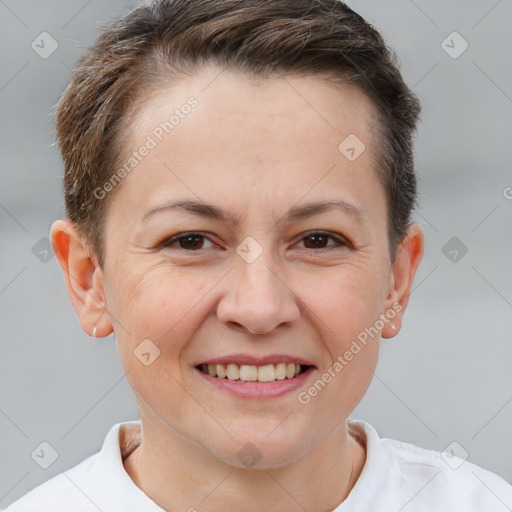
(317,240)
(191,242)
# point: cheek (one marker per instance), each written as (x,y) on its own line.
(345,299)
(145,294)
(348,303)
(159,303)
(160,308)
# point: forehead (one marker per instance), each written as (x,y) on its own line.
(280,137)
(231,99)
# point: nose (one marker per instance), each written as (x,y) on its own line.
(257,299)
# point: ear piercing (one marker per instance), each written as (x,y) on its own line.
(392,326)
(94,332)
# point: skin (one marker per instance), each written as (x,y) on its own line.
(255,151)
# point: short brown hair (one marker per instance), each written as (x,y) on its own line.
(167,39)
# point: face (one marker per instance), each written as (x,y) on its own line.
(246,237)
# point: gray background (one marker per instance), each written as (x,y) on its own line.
(445,378)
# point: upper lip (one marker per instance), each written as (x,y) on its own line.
(247,359)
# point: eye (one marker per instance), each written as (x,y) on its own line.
(319,240)
(186,241)
(198,241)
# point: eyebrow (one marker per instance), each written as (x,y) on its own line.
(297,212)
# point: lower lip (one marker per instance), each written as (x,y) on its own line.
(255,389)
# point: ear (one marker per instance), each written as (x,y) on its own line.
(84,278)
(407,260)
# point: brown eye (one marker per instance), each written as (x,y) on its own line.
(187,242)
(191,242)
(320,241)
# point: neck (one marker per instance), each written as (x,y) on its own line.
(183,476)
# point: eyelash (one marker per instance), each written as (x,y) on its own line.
(339,241)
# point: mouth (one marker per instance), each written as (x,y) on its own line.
(255,377)
(252,373)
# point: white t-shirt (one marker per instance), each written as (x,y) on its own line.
(397,477)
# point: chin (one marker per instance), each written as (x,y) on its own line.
(263,447)
(258,457)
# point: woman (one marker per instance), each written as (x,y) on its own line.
(239,186)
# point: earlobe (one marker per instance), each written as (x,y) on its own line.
(407,260)
(84,278)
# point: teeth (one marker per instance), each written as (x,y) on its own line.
(266,373)
(248,372)
(280,371)
(244,372)
(221,371)
(233,373)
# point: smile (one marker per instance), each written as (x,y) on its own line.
(252,373)
(256,377)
